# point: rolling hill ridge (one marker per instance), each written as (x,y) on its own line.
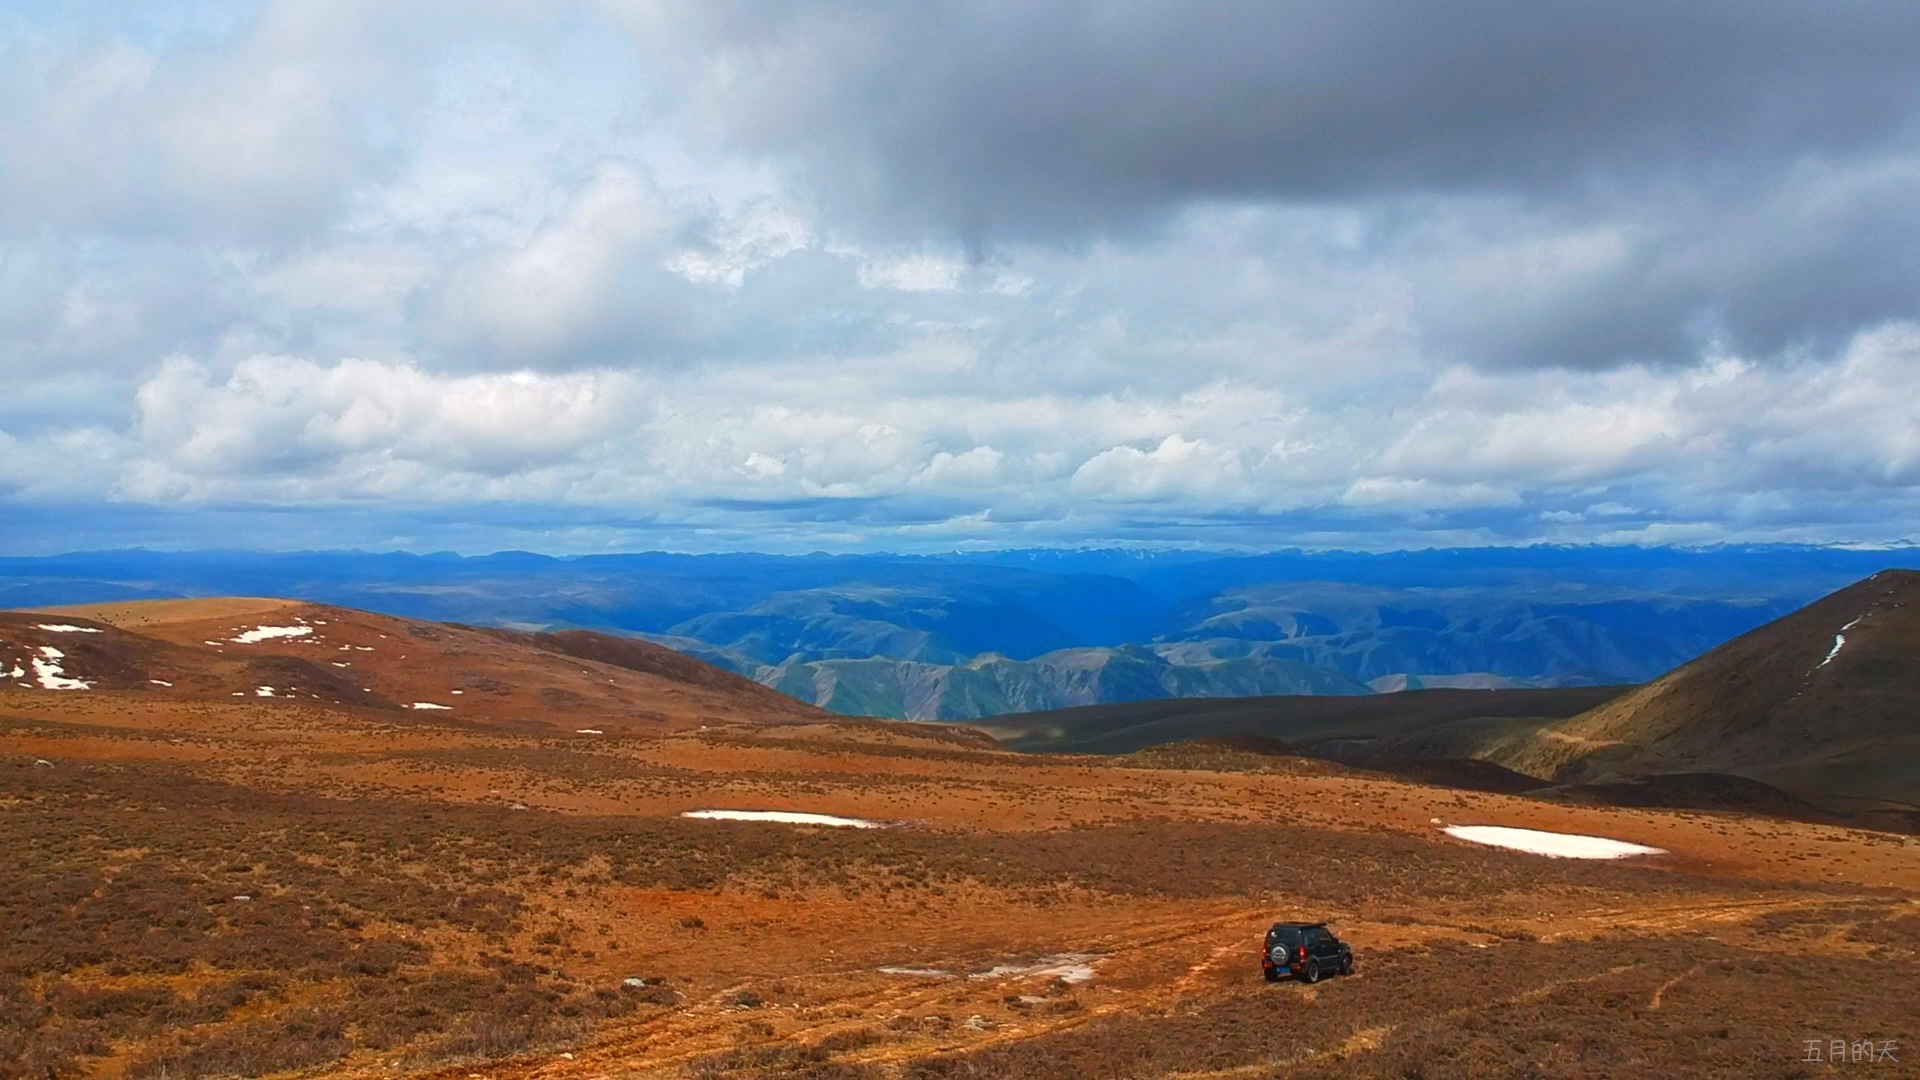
(255,648)
(1824,701)
(967,635)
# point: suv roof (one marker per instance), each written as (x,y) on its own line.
(1296,925)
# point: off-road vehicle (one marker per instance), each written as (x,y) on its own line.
(1307,950)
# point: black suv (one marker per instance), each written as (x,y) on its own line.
(1308,950)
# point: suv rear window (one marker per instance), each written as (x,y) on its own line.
(1286,936)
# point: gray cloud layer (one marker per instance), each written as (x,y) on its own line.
(1753,162)
(1028,117)
(921,274)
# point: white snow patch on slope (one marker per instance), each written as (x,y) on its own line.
(18,672)
(263,691)
(930,973)
(64,628)
(159,682)
(265,633)
(787,816)
(428,705)
(1556,845)
(1839,642)
(47,667)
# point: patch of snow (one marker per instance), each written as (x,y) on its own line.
(1552,844)
(364,648)
(46,667)
(428,705)
(456,691)
(65,628)
(589,731)
(1839,642)
(337,663)
(266,633)
(1067,967)
(159,682)
(787,816)
(263,691)
(929,973)
(18,672)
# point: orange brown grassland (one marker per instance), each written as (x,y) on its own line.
(195,883)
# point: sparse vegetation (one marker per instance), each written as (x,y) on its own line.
(214,889)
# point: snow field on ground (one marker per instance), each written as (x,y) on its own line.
(265,633)
(1552,844)
(787,816)
(47,668)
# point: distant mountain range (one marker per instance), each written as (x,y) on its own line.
(1813,713)
(965,636)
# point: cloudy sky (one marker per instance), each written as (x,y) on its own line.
(917,276)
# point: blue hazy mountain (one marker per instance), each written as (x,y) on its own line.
(974,634)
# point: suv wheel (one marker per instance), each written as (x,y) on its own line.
(1346,965)
(1312,973)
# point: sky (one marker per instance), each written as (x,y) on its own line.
(643,274)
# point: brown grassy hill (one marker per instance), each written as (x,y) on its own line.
(186,650)
(1823,703)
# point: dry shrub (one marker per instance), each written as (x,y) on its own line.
(292,1039)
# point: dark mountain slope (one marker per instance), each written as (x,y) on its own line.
(1824,702)
(1309,723)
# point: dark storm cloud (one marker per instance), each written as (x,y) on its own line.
(1799,262)
(1675,124)
(1043,116)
